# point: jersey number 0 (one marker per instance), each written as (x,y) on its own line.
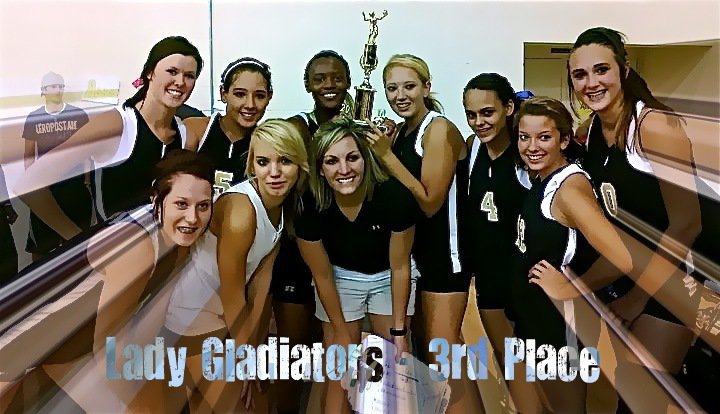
(609,198)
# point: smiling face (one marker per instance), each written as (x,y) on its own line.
(405,92)
(247,98)
(540,144)
(276,174)
(173,79)
(343,166)
(485,113)
(595,76)
(327,82)
(186,209)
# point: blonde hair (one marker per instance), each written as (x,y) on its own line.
(421,68)
(286,139)
(328,135)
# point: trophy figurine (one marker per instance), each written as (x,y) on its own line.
(364,93)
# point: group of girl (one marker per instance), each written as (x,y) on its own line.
(391,225)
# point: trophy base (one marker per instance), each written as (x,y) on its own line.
(364,124)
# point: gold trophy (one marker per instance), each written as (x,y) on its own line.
(365,93)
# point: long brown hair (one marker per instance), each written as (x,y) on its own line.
(633,85)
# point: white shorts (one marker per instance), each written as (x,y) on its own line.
(362,293)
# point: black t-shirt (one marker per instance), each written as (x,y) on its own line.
(50,130)
(362,245)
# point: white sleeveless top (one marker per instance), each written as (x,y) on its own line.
(195,307)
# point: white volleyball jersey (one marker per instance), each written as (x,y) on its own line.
(195,307)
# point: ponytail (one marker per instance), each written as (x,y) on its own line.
(139,96)
(433,103)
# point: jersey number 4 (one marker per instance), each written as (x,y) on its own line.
(609,198)
(488,205)
(520,241)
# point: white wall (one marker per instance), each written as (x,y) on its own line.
(112,38)
(457,39)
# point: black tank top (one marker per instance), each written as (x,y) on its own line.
(309,121)
(541,237)
(497,190)
(629,191)
(230,158)
(436,247)
(128,185)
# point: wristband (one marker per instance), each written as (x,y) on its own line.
(398,332)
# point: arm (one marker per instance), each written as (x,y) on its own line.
(100,138)
(5,203)
(29,156)
(126,271)
(575,206)
(662,138)
(400,247)
(235,222)
(443,146)
(258,295)
(196,129)
(314,254)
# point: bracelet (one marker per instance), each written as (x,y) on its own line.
(398,332)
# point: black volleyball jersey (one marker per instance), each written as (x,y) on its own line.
(436,249)
(309,120)
(541,237)
(624,180)
(361,245)
(229,158)
(497,190)
(124,182)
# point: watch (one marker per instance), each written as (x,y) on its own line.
(398,332)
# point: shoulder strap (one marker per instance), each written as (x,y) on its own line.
(523,176)
(421,131)
(554,184)
(214,117)
(474,152)
(633,152)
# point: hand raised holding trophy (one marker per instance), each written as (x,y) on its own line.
(364,94)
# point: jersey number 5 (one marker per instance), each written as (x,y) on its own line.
(520,242)
(609,198)
(488,205)
(222,181)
